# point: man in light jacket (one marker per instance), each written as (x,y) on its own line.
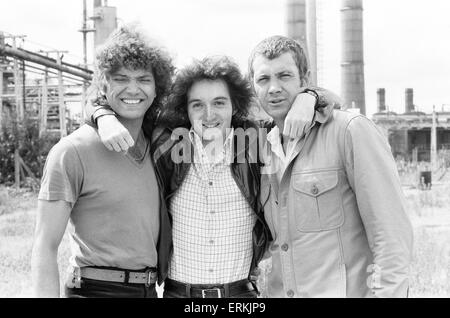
(333,200)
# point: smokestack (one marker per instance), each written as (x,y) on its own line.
(311,37)
(381,100)
(352,75)
(296,19)
(409,100)
(302,27)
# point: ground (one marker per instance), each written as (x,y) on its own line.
(429,212)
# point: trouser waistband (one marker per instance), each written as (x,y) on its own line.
(146,276)
(209,290)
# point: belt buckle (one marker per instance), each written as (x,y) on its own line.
(76,277)
(149,274)
(215,290)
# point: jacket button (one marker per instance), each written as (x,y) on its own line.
(285,247)
(290,293)
(314,190)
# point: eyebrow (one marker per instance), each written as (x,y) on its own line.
(199,100)
(193,101)
(123,75)
(284,72)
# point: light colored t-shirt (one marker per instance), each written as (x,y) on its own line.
(115,201)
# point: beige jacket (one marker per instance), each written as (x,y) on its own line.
(338,217)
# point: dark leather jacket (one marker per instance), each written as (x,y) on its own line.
(170,176)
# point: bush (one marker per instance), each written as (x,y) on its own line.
(32,149)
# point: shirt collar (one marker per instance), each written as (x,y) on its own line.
(274,138)
(200,152)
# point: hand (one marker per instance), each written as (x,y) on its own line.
(300,116)
(113,134)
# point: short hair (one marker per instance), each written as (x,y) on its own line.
(209,68)
(274,46)
(130,48)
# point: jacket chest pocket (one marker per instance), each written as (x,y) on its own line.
(317,201)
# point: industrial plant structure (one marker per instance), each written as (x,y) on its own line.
(413,135)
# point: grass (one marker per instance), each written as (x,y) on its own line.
(429,212)
(17,219)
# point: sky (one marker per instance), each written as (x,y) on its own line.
(405,41)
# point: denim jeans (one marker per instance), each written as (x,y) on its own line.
(90,288)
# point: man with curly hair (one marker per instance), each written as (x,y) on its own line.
(219,234)
(111,200)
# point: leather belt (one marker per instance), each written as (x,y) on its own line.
(147,277)
(209,290)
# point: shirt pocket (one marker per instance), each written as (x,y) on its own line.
(317,201)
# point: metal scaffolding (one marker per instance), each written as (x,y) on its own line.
(42,100)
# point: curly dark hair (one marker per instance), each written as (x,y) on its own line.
(130,48)
(210,68)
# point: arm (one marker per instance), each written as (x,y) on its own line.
(112,133)
(51,222)
(314,103)
(372,174)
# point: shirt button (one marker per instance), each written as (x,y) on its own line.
(285,247)
(314,190)
(210,183)
(290,293)
(211,241)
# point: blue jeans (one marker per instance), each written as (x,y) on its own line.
(90,288)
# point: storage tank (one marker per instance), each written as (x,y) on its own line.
(105,22)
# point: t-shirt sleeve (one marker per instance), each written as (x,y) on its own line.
(63,174)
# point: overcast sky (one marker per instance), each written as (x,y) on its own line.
(406,41)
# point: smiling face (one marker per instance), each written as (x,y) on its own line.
(277,83)
(210,109)
(130,93)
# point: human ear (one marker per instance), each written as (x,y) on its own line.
(305,79)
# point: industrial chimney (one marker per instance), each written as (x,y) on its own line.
(409,100)
(302,27)
(381,100)
(352,75)
(296,19)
